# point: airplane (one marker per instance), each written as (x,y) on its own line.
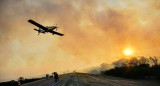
(43,29)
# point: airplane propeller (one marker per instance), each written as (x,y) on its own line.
(56,27)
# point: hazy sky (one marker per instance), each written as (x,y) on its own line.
(96,31)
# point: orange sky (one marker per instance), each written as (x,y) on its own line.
(96,31)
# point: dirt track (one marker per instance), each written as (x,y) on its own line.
(80,79)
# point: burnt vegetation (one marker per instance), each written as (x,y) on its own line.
(136,68)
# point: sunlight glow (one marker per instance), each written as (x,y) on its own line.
(127,52)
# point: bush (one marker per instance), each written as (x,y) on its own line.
(15,83)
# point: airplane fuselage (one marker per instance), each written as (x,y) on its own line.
(49,28)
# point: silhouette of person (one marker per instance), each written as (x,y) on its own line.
(47,76)
(19,83)
(56,76)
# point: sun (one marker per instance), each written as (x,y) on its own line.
(127,52)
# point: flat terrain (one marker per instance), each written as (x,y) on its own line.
(82,79)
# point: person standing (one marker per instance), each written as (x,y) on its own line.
(19,83)
(56,76)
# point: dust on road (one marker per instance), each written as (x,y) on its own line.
(83,79)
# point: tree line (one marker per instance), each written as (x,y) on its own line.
(136,68)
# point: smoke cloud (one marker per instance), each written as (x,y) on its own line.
(96,31)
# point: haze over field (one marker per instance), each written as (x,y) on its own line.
(96,31)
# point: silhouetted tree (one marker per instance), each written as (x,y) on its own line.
(133,62)
(143,60)
(120,63)
(21,79)
(154,60)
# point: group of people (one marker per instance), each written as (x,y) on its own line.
(55,74)
(56,77)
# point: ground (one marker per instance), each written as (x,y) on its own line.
(83,79)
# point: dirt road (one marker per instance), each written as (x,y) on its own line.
(81,79)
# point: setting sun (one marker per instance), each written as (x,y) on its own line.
(127,52)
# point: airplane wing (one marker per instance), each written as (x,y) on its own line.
(36,24)
(54,32)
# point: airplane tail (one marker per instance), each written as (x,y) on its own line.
(37,30)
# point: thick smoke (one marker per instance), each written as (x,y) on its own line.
(96,31)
